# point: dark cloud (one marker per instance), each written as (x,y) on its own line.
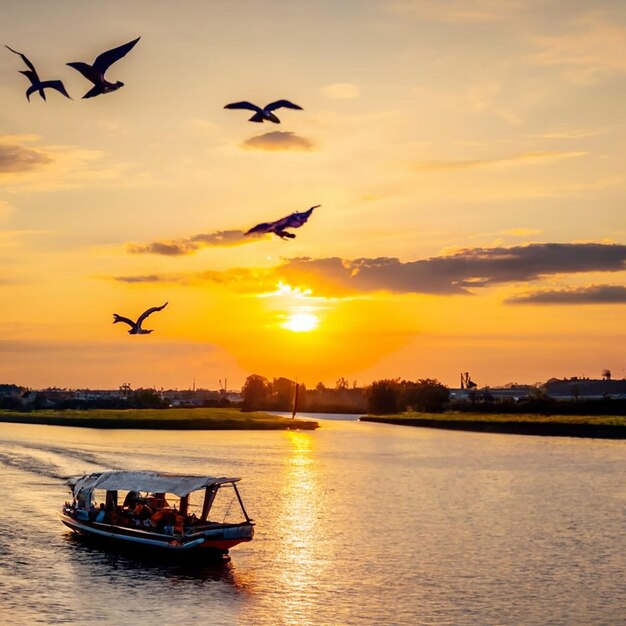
(189,245)
(15,158)
(467,269)
(458,273)
(594,294)
(278,141)
(147,278)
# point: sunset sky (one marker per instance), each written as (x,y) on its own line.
(469,157)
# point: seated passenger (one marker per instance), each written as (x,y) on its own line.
(93,511)
(81,514)
(158,501)
(141,513)
(101,514)
(179,524)
(131,499)
(162,518)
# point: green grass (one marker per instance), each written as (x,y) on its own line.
(160,419)
(605,420)
(599,426)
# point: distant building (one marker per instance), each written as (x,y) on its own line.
(585,389)
(190,397)
(510,393)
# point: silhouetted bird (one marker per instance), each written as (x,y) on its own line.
(295,220)
(264,114)
(95,73)
(135,327)
(36,83)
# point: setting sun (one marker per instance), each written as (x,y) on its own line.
(301,322)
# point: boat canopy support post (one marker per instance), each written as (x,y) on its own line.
(243,508)
(209,497)
(111,500)
(184,505)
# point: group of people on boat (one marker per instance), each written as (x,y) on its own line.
(152,512)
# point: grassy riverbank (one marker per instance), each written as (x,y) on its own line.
(604,427)
(160,419)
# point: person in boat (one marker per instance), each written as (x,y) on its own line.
(101,514)
(131,499)
(163,518)
(93,511)
(157,501)
(142,514)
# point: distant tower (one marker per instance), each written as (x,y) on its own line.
(467,382)
(125,389)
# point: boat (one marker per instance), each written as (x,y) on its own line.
(169,512)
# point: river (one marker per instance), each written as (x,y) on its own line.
(357,523)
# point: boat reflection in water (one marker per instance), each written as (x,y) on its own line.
(171,513)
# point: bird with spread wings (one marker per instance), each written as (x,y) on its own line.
(264,114)
(36,83)
(295,220)
(135,327)
(95,73)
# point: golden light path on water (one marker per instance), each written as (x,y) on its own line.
(298,511)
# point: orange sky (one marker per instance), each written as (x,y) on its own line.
(468,158)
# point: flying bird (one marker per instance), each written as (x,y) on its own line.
(135,327)
(36,83)
(95,73)
(295,220)
(264,114)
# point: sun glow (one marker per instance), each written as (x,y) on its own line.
(287,291)
(301,322)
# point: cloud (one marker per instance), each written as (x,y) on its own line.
(147,278)
(279,141)
(516,159)
(189,245)
(461,272)
(594,294)
(53,167)
(15,158)
(341,91)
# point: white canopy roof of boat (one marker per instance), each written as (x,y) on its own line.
(155,482)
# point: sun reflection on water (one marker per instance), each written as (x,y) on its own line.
(299,512)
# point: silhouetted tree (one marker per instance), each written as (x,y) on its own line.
(283,390)
(383,397)
(146,399)
(342,383)
(426,394)
(256,392)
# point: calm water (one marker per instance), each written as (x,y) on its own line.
(356,524)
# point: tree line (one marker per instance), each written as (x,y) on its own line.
(381,397)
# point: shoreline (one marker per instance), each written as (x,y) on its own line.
(159,419)
(540,426)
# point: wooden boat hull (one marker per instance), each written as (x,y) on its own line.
(215,541)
